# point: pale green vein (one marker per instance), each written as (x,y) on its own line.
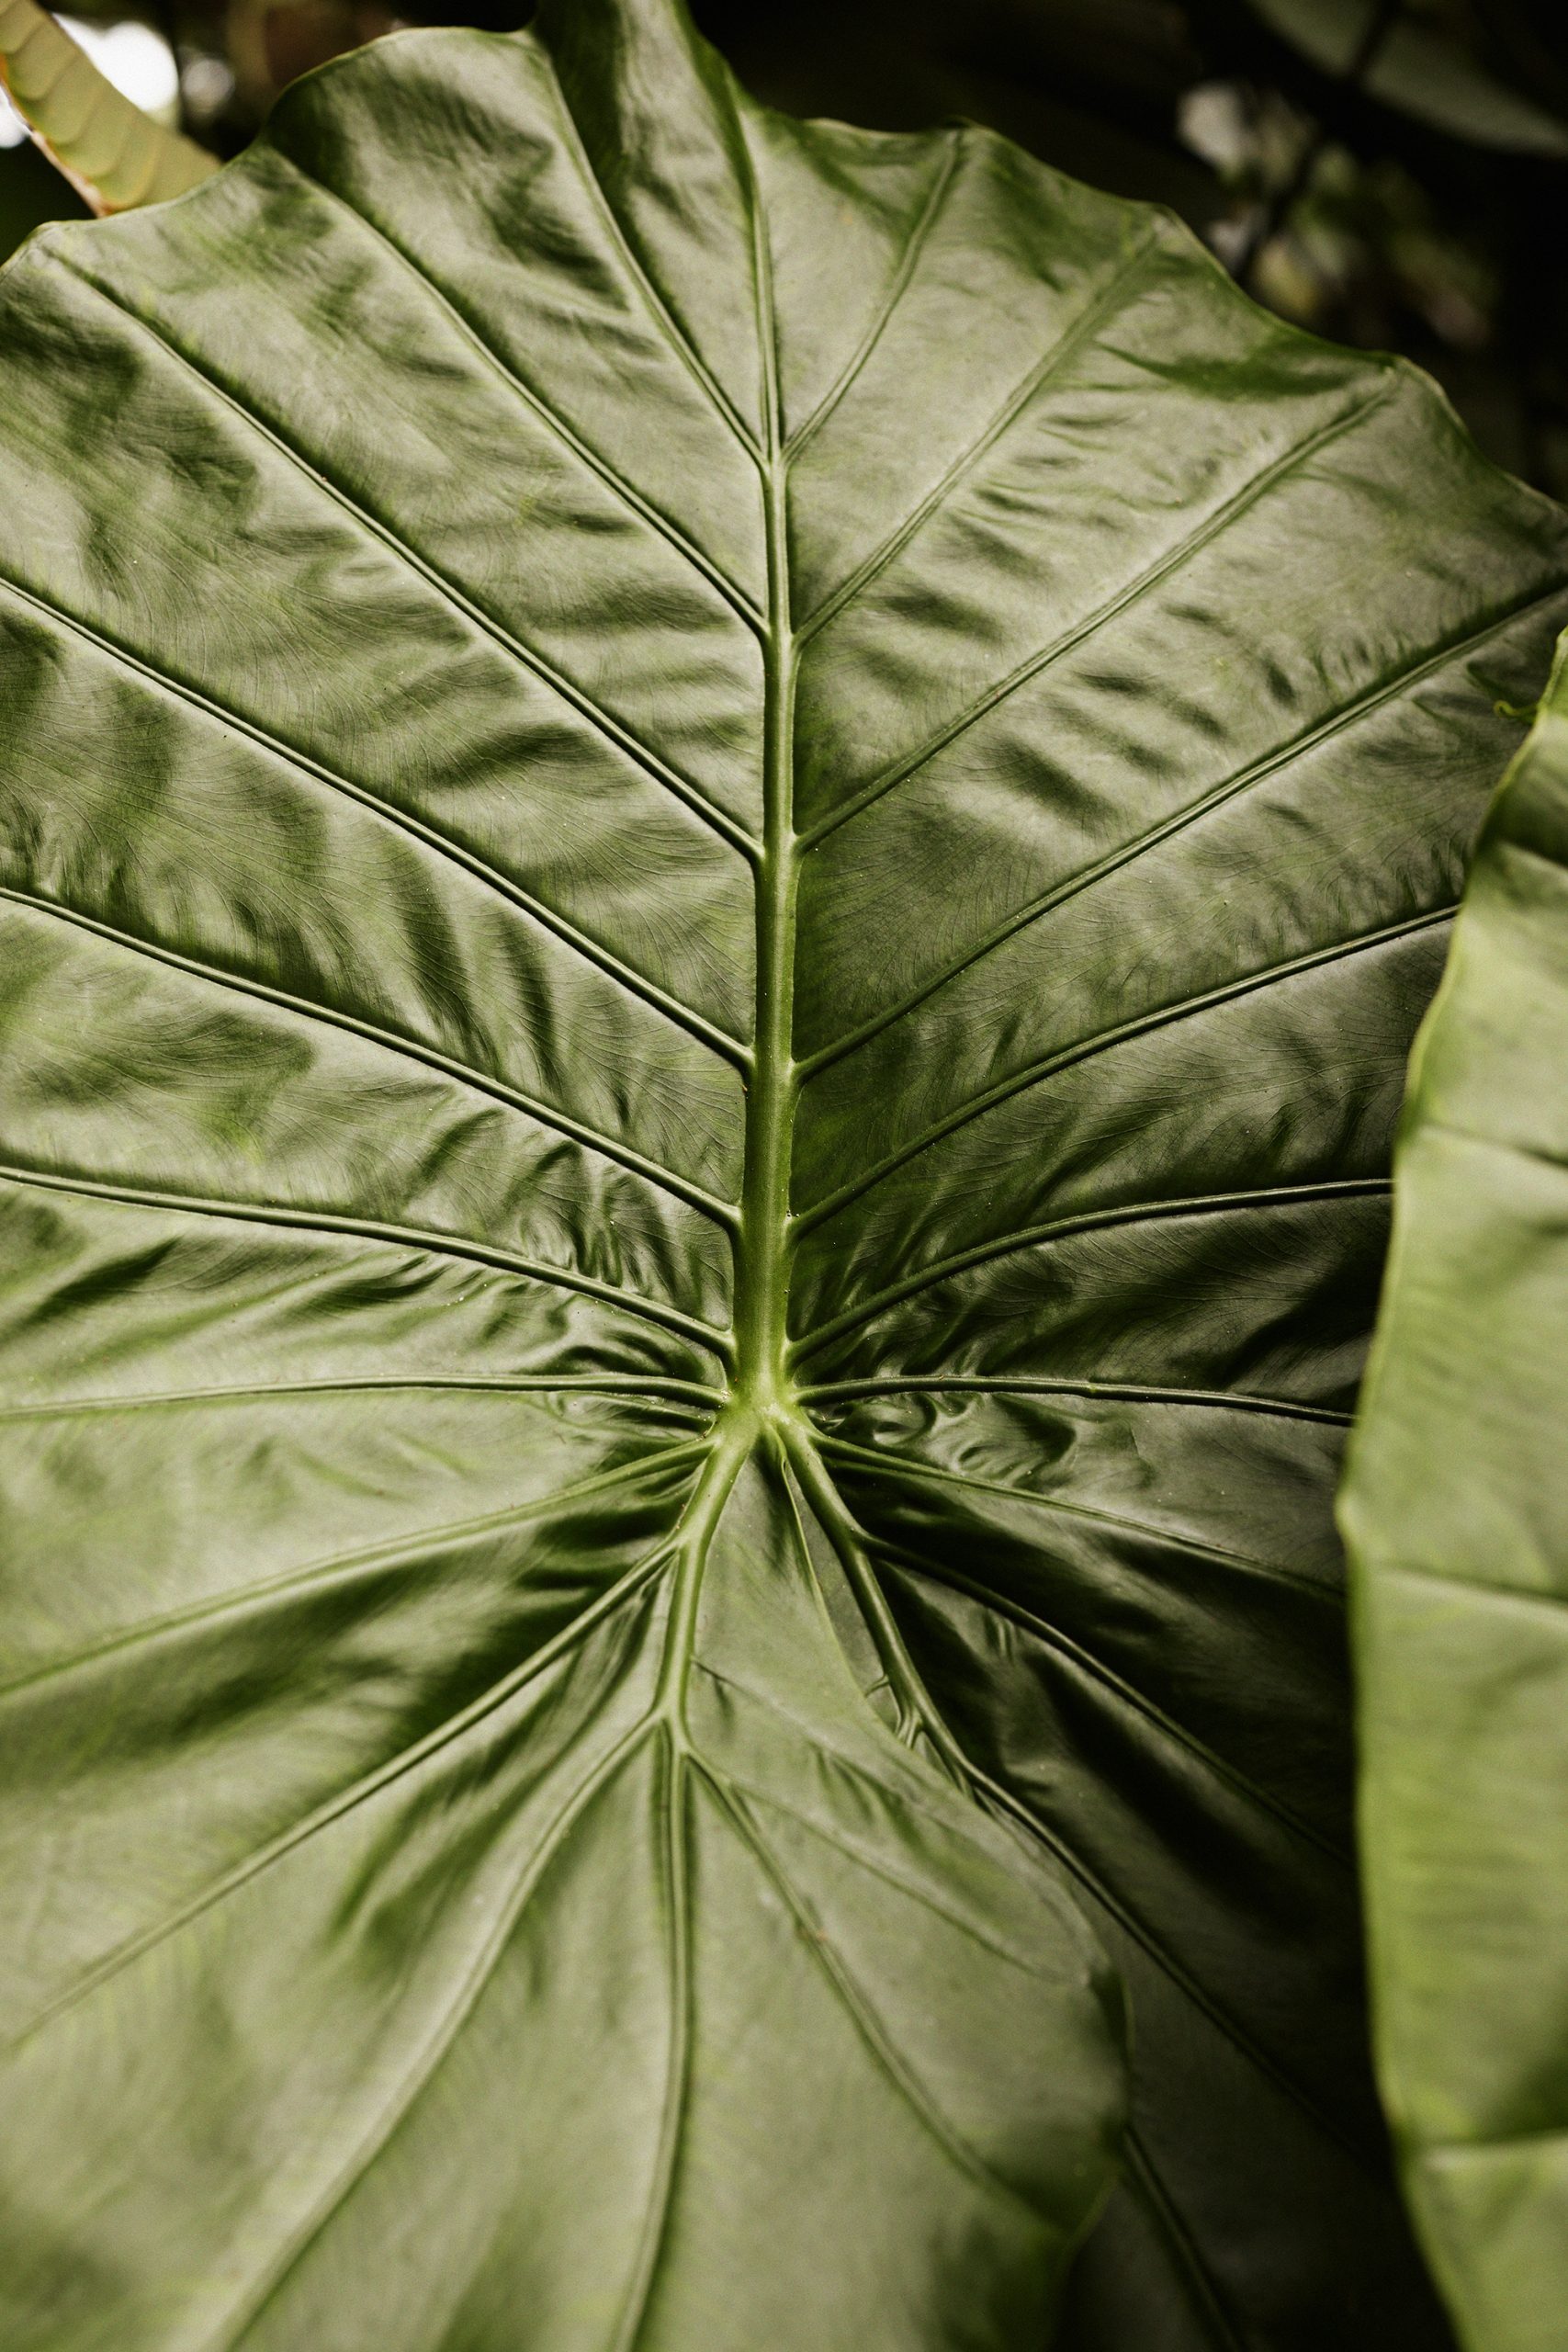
(901,1383)
(885,1463)
(677,1860)
(1300,746)
(417,2078)
(1049,1065)
(1094,1671)
(448,303)
(480,1383)
(872,1864)
(435,1243)
(374,525)
(917,1712)
(397,1042)
(689,1546)
(848,1541)
(346,1800)
(657,307)
(909,261)
(862,2016)
(1092,315)
(940,1269)
(759,1296)
(1228,2027)
(344,1568)
(1172,561)
(761,1255)
(590,950)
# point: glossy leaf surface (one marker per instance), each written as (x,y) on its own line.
(114,155)
(1457,1513)
(726,840)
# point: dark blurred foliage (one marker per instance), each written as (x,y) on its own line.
(1392,172)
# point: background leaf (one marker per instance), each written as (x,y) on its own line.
(726,841)
(114,155)
(1418,65)
(1457,1515)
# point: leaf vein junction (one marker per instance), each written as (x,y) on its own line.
(395,1042)
(940,1269)
(526,656)
(535,402)
(1049,1065)
(1093,313)
(438,1244)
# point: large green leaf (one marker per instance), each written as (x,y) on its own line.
(1457,1513)
(724,843)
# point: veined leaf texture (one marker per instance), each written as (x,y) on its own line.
(721,840)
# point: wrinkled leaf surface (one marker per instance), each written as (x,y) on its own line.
(721,843)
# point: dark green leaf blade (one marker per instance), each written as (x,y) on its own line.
(593,665)
(1126,1261)
(484,1880)
(1454,1512)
